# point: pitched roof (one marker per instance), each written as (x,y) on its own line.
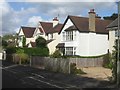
(57,28)
(48,27)
(28,31)
(113,24)
(82,24)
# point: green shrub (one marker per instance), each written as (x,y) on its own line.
(37,51)
(23,56)
(41,42)
(11,50)
(74,70)
(56,54)
(107,59)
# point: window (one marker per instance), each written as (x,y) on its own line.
(63,36)
(69,50)
(51,36)
(69,35)
(74,50)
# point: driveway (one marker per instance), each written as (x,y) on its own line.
(20,76)
(99,73)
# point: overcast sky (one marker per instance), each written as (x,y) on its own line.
(29,12)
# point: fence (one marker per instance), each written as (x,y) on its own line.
(62,64)
(52,64)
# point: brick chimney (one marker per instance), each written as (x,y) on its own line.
(55,21)
(92,16)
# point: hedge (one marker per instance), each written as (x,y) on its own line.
(29,51)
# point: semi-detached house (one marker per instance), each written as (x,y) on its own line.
(47,30)
(84,36)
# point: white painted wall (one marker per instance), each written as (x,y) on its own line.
(28,40)
(52,45)
(111,40)
(83,44)
(98,44)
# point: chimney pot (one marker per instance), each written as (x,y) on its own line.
(91,11)
(55,21)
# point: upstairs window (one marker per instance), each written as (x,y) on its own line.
(69,35)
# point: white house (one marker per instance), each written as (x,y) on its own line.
(84,36)
(26,32)
(113,34)
(47,30)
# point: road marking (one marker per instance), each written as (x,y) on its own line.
(9,66)
(37,75)
(69,86)
(10,71)
(45,82)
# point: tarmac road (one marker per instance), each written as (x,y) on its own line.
(20,76)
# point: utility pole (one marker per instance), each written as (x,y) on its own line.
(118,56)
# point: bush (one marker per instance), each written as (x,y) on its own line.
(41,42)
(23,56)
(74,70)
(11,50)
(107,61)
(56,54)
(29,51)
(37,51)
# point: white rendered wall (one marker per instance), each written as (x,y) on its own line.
(98,44)
(111,40)
(83,44)
(52,45)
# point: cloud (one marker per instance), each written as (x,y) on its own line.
(33,21)
(12,19)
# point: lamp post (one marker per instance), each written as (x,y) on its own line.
(118,54)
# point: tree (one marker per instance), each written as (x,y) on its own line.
(4,43)
(24,42)
(41,42)
(22,55)
(112,17)
(10,39)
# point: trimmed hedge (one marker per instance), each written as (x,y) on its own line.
(37,51)
(29,51)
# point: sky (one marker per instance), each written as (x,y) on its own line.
(14,14)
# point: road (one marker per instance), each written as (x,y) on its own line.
(21,76)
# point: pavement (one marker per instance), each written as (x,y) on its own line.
(21,76)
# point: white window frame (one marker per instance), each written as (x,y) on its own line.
(69,35)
